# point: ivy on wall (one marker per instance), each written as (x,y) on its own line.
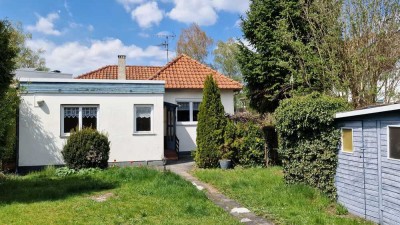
(308,139)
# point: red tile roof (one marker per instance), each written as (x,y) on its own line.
(181,73)
(185,72)
(132,72)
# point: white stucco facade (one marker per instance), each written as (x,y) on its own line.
(186,131)
(40,132)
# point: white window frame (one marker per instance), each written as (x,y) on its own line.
(388,141)
(80,117)
(190,101)
(151,119)
(341,139)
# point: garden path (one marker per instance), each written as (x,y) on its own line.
(183,168)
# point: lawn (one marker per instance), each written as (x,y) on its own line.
(264,192)
(132,196)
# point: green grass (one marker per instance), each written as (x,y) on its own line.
(264,192)
(140,196)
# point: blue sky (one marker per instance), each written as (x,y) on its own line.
(82,35)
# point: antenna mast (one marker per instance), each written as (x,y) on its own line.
(165,43)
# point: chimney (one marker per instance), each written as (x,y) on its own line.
(121,67)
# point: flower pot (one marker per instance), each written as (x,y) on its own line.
(225,163)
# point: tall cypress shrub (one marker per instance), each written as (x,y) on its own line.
(211,126)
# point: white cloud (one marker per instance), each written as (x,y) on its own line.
(66,7)
(129,4)
(238,6)
(79,58)
(46,25)
(194,11)
(90,28)
(238,23)
(143,34)
(164,33)
(147,14)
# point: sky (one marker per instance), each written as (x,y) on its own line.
(79,36)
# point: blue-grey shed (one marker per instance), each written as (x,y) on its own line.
(367,176)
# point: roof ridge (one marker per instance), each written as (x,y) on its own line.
(141,66)
(88,73)
(166,66)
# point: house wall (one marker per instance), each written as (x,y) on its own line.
(367,180)
(40,140)
(186,131)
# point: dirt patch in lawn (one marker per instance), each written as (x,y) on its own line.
(103,197)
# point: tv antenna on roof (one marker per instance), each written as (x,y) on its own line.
(165,44)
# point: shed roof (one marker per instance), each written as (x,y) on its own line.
(367,111)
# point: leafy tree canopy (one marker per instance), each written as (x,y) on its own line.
(225,58)
(8,53)
(194,42)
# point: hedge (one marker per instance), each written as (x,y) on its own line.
(309,140)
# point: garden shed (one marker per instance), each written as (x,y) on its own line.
(367,175)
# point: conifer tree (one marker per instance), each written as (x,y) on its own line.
(211,126)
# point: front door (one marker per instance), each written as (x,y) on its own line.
(170,135)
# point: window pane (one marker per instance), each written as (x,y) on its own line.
(347,140)
(71,119)
(89,117)
(183,111)
(89,123)
(143,124)
(394,142)
(196,106)
(143,118)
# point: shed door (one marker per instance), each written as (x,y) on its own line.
(349,178)
(389,169)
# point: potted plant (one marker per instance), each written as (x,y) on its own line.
(226,157)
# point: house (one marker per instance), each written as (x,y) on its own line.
(367,176)
(148,112)
(33,73)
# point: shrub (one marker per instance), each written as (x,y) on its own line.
(86,148)
(8,115)
(210,127)
(308,139)
(246,143)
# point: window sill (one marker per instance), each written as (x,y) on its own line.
(347,152)
(64,136)
(186,123)
(144,134)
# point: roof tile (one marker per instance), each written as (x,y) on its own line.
(181,73)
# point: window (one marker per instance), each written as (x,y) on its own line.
(78,117)
(347,140)
(394,142)
(143,118)
(187,111)
(183,111)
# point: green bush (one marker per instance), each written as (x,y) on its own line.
(86,148)
(308,139)
(210,127)
(245,143)
(8,115)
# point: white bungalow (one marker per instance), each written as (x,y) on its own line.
(148,112)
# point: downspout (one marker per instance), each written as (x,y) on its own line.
(17,136)
(17,141)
